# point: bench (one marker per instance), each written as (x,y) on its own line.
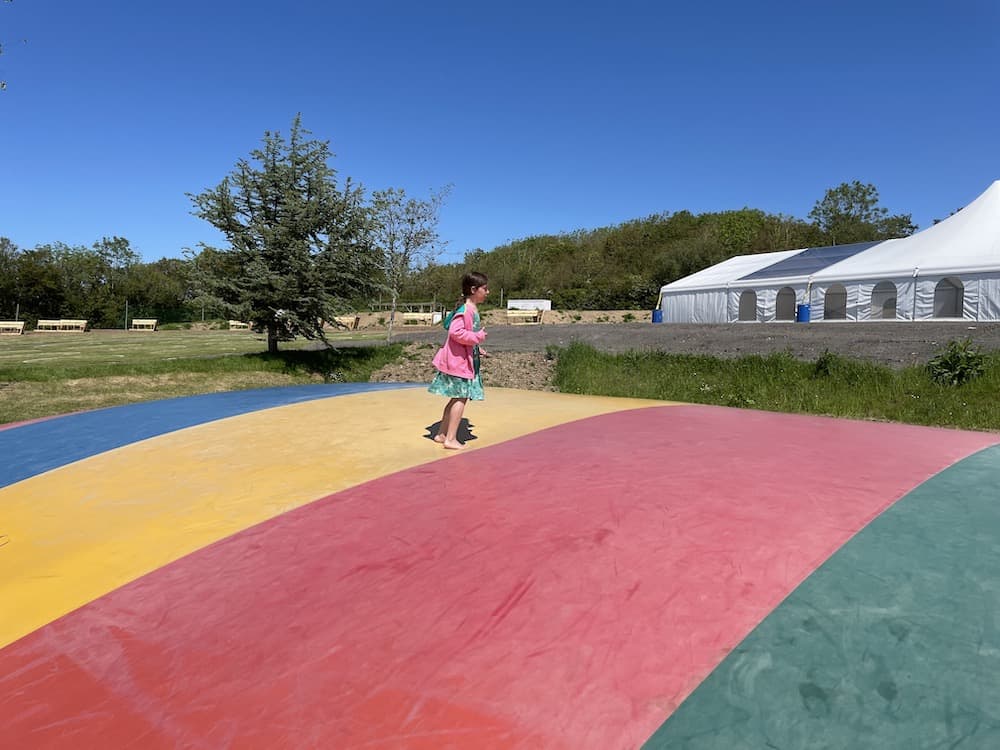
(144,324)
(63,324)
(350,322)
(238,325)
(419,318)
(515,317)
(11,327)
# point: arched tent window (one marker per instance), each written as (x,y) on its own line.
(884,301)
(948,298)
(784,304)
(748,305)
(835,303)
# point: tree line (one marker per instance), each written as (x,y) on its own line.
(97,283)
(622,267)
(305,244)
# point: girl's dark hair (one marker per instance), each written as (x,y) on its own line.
(473,279)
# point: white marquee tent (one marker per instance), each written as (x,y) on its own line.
(950,270)
(705,296)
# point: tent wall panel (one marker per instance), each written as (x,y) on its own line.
(923,299)
(970,310)
(989,297)
(766,301)
(698,306)
(906,291)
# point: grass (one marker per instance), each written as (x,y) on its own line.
(41,375)
(831,385)
(45,374)
(110,348)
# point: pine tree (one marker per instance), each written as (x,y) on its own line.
(297,251)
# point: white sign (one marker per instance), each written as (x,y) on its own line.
(529,304)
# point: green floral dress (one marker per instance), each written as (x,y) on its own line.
(453,386)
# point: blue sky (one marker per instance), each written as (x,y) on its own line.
(545,117)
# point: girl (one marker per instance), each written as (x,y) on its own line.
(457,362)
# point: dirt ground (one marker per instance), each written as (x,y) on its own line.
(519,359)
(370,321)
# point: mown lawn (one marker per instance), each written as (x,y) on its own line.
(45,374)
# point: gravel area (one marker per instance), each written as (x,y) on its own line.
(519,352)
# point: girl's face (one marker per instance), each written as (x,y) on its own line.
(479,294)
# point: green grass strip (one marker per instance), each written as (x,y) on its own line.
(831,385)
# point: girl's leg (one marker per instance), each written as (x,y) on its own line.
(455,410)
(443,426)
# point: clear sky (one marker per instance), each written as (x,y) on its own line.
(546,117)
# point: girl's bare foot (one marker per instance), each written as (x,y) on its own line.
(439,438)
(453,445)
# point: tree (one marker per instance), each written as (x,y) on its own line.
(202,271)
(296,238)
(157,290)
(403,233)
(9,286)
(39,286)
(850,213)
(737,231)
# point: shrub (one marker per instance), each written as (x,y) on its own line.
(958,363)
(825,364)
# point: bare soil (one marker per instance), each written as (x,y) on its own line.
(519,351)
(527,370)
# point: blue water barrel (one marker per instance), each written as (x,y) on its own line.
(657,316)
(802,314)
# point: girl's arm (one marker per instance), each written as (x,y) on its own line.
(462,333)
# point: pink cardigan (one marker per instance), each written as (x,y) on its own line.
(455,357)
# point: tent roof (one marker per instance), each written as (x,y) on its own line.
(966,241)
(728,270)
(808,261)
